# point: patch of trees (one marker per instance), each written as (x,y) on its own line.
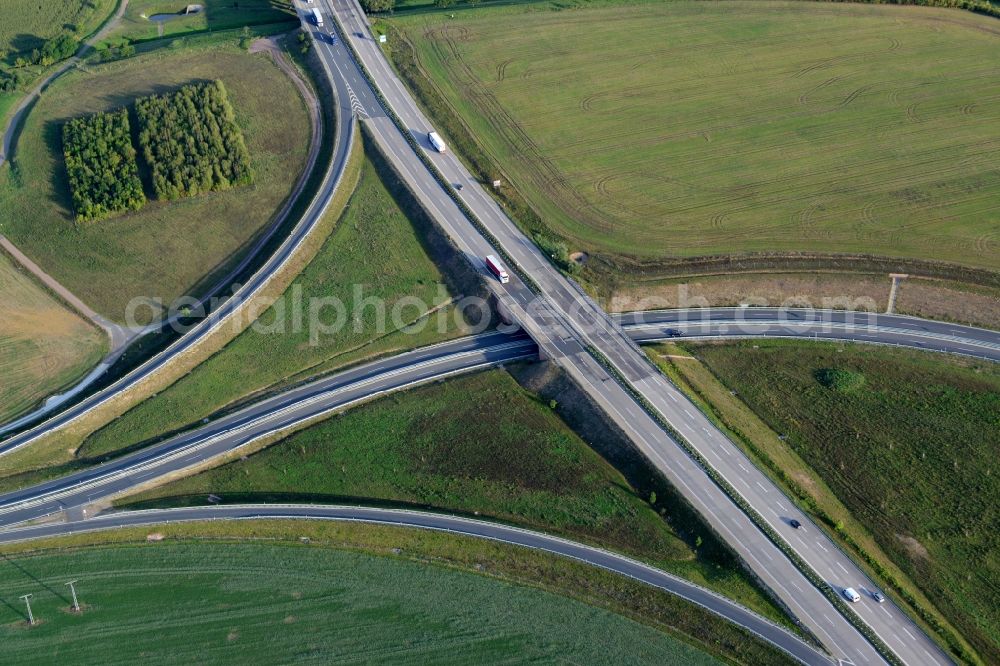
(52,51)
(109,52)
(100,160)
(11,81)
(191,141)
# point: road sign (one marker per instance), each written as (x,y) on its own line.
(381,39)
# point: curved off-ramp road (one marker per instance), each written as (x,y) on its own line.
(343,141)
(625,566)
(121,337)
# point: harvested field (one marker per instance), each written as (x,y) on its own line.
(687,128)
(44,346)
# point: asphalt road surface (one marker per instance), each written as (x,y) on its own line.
(873,328)
(567,325)
(597,557)
(275,414)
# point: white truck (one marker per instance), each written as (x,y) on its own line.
(436,141)
(317,18)
(497,269)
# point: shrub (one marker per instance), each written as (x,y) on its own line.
(838,379)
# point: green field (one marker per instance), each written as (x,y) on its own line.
(696,128)
(908,442)
(25,25)
(166,249)
(213,602)
(218,15)
(374,245)
(44,346)
(435,447)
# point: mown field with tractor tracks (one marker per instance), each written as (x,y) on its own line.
(659,130)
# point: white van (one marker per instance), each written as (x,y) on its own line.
(851,595)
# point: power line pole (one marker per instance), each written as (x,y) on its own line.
(76,604)
(31,618)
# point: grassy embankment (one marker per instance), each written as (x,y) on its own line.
(897,458)
(465,600)
(449,446)
(818,154)
(166,249)
(44,346)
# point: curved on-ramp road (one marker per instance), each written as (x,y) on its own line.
(729,610)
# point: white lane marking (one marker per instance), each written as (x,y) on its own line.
(912,637)
(688,412)
(744,468)
(796,586)
(761,485)
(828,619)
(672,397)
(841,567)
(712,451)
(822,546)
(887,613)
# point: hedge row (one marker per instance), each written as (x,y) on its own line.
(100,160)
(191,141)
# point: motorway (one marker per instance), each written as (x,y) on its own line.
(568,327)
(565,324)
(597,557)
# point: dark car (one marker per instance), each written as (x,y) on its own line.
(673,333)
(458,186)
(878,596)
(794,523)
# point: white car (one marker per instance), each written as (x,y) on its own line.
(851,595)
